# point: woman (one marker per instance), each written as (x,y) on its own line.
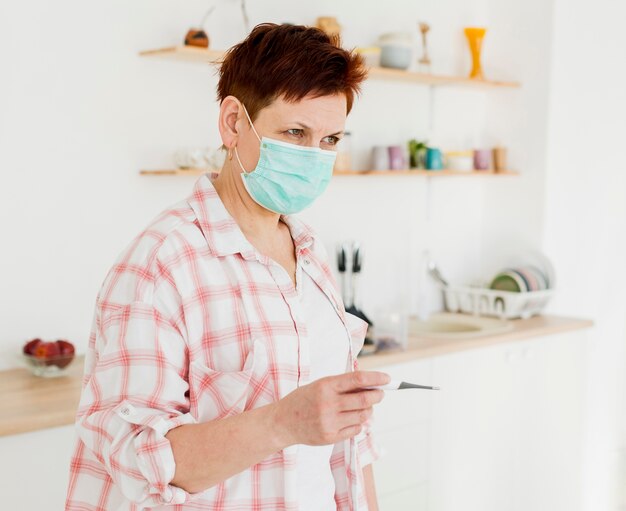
(221,365)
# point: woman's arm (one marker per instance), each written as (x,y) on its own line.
(324,412)
(210,452)
(370,488)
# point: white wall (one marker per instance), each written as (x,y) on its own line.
(82,113)
(585,222)
(514,210)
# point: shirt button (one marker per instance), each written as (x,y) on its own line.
(125,411)
(306,261)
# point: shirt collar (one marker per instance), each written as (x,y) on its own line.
(222,232)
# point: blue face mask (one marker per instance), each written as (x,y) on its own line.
(288,177)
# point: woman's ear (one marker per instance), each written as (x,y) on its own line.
(230,111)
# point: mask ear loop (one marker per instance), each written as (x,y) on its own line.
(240,164)
(250,121)
(257,136)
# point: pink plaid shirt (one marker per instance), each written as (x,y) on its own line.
(193,324)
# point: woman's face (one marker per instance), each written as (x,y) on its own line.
(313,122)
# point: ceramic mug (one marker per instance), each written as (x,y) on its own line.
(482,159)
(434,159)
(396,158)
(499,158)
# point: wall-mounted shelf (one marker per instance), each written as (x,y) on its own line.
(393,173)
(174,172)
(206,56)
(386,73)
(427,173)
(185,54)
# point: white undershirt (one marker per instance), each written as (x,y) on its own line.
(328,341)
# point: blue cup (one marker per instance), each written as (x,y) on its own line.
(434,159)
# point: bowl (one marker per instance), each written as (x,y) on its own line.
(48,367)
(396,56)
(459,160)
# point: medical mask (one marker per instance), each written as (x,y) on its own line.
(288,177)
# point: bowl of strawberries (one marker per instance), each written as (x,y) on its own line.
(48,358)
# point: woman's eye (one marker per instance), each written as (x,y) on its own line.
(296,132)
(332,140)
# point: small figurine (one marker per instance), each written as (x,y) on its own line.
(424,61)
(329,25)
(196,36)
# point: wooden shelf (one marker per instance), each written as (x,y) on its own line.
(203,56)
(394,173)
(185,54)
(427,173)
(386,73)
(174,172)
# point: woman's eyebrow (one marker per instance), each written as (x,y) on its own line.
(301,124)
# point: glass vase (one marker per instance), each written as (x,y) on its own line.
(475,40)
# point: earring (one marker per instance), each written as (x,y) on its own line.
(230,153)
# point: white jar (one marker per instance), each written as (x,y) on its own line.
(396,50)
(462,161)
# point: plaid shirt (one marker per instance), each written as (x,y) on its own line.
(193,324)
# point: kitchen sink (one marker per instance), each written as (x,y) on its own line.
(450,325)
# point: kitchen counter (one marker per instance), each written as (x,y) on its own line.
(423,347)
(31,403)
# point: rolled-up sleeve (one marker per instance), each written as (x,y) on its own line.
(135,392)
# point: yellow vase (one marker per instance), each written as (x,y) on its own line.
(475,40)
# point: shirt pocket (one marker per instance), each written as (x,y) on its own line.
(220,394)
(358,330)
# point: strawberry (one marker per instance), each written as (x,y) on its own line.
(66,349)
(30,346)
(46,350)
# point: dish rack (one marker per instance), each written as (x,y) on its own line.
(491,302)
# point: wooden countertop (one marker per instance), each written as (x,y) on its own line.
(30,403)
(424,347)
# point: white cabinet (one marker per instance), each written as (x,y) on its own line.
(503,433)
(413,498)
(401,426)
(34,469)
(473,443)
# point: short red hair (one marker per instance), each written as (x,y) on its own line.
(289,61)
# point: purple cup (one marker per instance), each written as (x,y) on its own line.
(396,158)
(482,159)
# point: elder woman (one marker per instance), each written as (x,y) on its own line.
(221,370)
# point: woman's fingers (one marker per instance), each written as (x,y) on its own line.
(355,380)
(354,418)
(360,400)
(349,432)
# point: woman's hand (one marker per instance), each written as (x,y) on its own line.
(330,409)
